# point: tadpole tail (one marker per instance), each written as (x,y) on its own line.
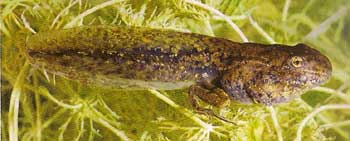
(21,38)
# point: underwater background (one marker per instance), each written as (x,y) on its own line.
(38,105)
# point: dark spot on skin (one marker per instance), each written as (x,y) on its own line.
(64,63)
(119,60)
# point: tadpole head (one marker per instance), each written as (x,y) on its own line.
(300,69)
(277,74)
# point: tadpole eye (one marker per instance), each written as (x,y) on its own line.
(297,61)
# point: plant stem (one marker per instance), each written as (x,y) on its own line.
(38,125)
(217,12)
(89,11)
(62,12)
(275,123)
(312,114)
(261,31)
(178,107)
(323,27)
(339,94)
(46,93)
(116,131)
(14,103)
(285,10)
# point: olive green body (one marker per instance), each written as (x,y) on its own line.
(137,57)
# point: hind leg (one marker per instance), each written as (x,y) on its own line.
(211,95)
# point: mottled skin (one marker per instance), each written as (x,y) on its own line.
(215,69)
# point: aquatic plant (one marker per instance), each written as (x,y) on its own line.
(37,105)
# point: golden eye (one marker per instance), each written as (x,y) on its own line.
(297,61)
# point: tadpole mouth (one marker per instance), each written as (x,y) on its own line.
(319,78)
